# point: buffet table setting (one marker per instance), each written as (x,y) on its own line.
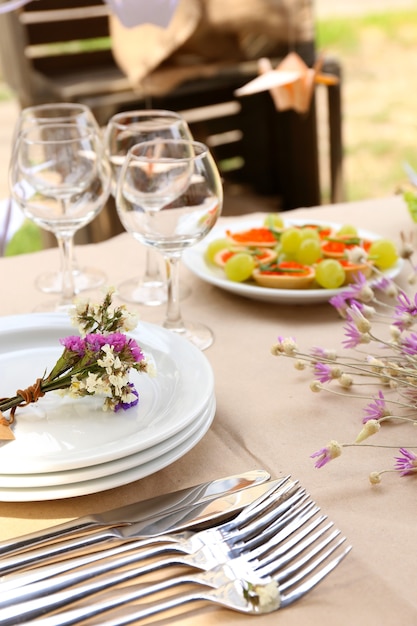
(251,410)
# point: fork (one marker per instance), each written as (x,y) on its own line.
(133,531)
(234,586)
(30,601)
(252,520)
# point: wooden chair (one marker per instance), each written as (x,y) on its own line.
(60,50)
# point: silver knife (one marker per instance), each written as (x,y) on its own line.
(146,510)
(15,572)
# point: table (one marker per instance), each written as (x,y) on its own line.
(266,417)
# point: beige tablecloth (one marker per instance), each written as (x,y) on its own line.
(266,417)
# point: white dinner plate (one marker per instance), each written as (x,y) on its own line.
(92,472)
(194,259)
(59,433)
(32,494)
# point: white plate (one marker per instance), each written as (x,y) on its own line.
(113,480)
(194,259)
(57,434)
(92,472)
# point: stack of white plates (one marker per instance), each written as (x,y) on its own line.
(69,447)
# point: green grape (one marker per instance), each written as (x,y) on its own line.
(330,274)
(308,252)
(239,267)
(383,253)
(274,221)
(309,233)
(348,229)
(214,247)
(290,240)
(286,257)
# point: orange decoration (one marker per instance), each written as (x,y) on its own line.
(290,84)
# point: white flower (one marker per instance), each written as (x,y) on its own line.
(129,321)
(362,324)
(269,597)
(289,346)
(91,383)
(370,428)
(357,255)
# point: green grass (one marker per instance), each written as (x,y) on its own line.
(337,34)
(27,239)
(343,35)
(376,52)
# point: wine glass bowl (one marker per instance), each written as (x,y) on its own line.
(56,113)
(61,181)
(123,131)
(169,196)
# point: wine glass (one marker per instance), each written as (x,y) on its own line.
(56,113)
(122,132)
(169,196)
(61,181)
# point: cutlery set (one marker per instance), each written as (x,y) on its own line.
(254,547)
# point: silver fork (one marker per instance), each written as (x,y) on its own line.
(66,548)
(252,519)
(35,599)
(233,585)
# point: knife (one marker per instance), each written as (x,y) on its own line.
(153,508)
(15,572)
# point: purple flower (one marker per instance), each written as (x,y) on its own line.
(407,463)
(325,455)
(375,410)
(354,337)
(339,303)
(128,405)
(74,343)
(409,344)
(354,290)
(317,352)
(117,340)
(135,350)
(405,305)
(405,311)
(384,284)
(95,341)
(323,372)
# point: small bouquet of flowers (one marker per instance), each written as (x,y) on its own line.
(387,359)
(97,361)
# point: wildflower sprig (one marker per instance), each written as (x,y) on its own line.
(377,356)
(98,361)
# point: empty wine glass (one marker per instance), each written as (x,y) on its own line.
(61,181)
(169,196)
(123,131)
(57,113)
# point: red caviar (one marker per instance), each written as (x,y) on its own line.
(255,236)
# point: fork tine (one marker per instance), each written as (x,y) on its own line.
(301,590)
(275,532)
(283,556)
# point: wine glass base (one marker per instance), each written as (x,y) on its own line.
(84,279)
(148,293)
(139,291)
(198,334)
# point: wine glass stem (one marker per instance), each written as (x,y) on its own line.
(65,245)
(173,320)
(152,271)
